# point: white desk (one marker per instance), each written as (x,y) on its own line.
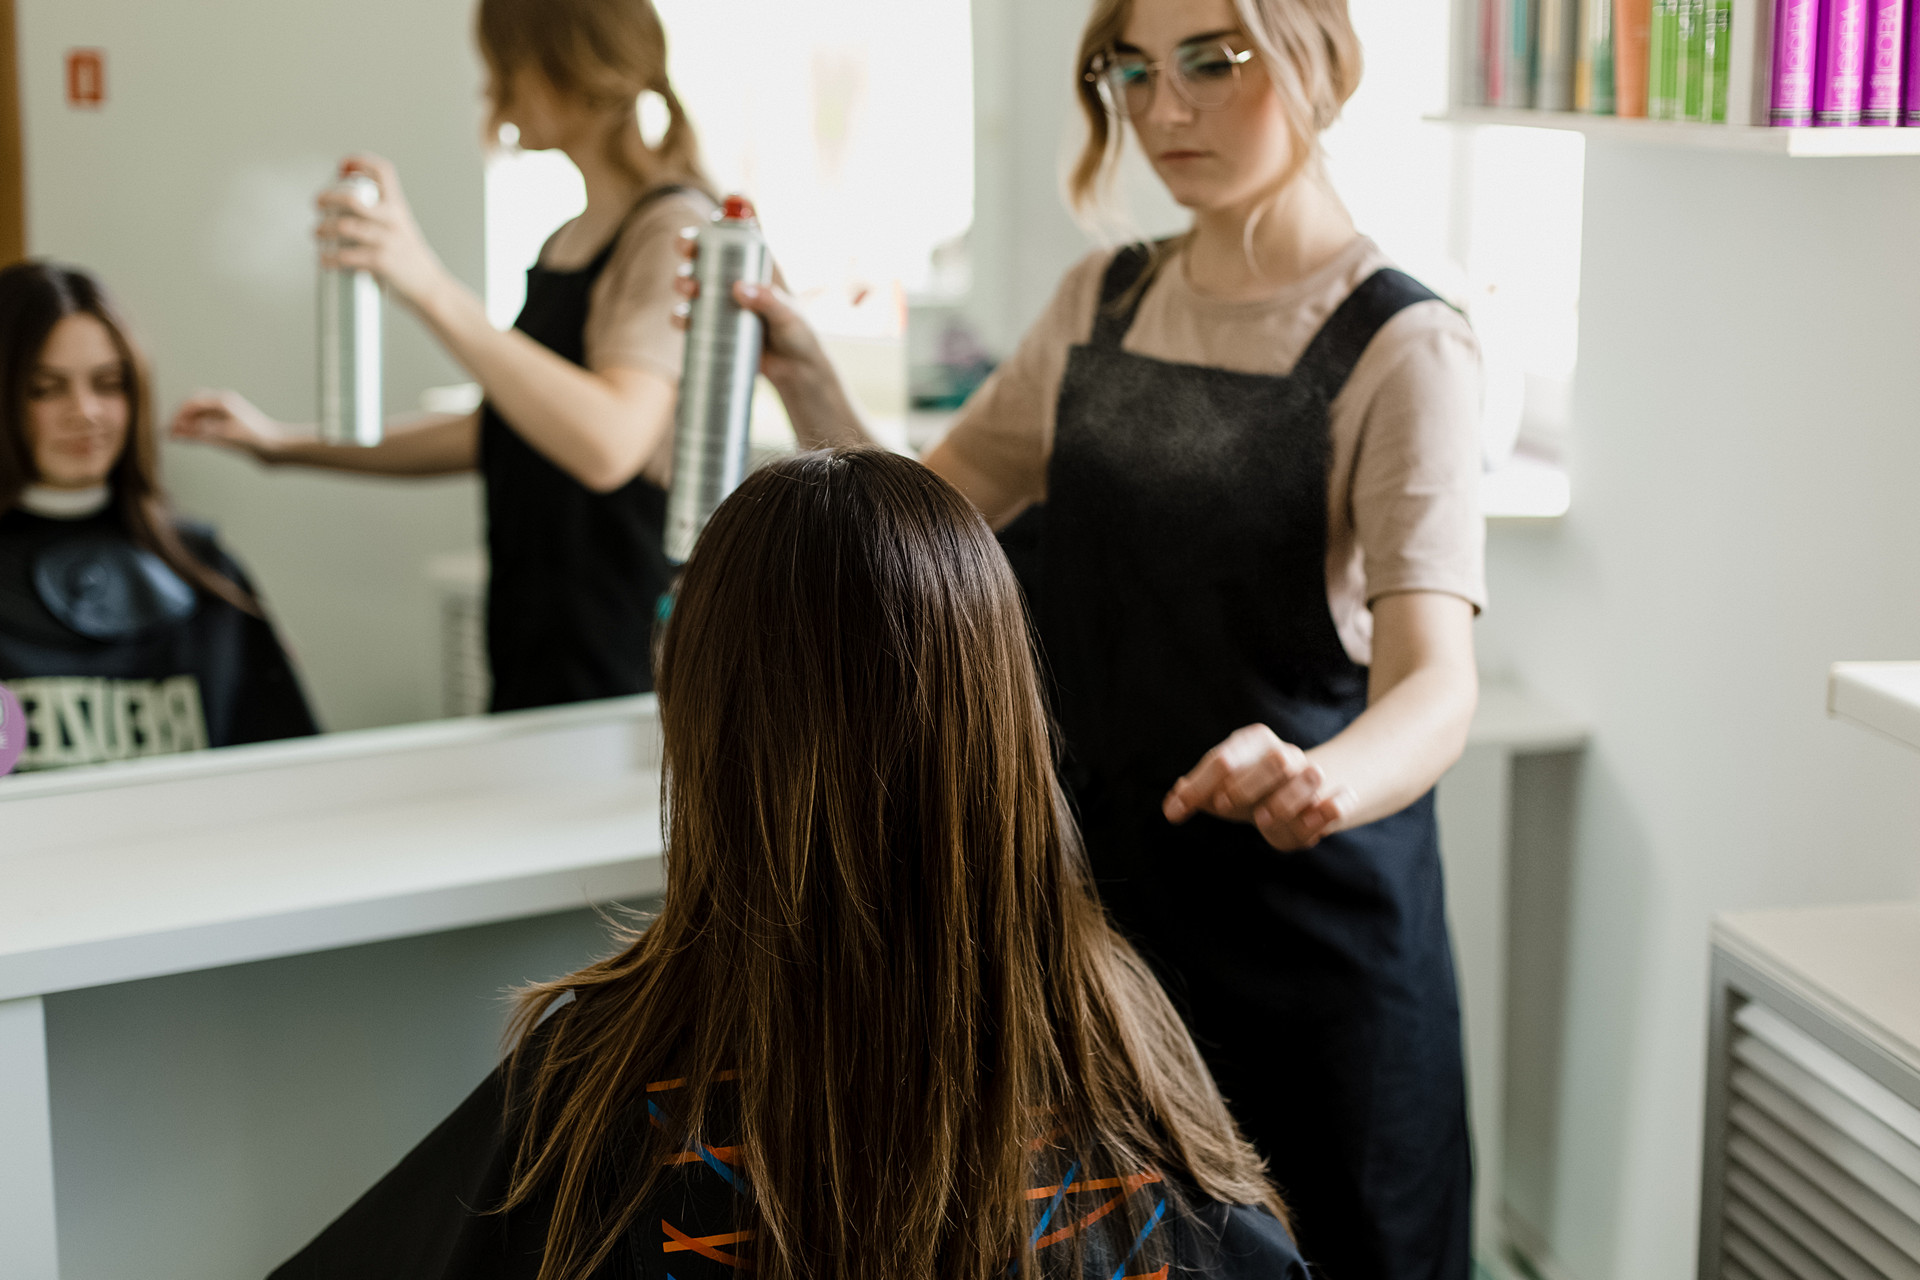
(194,862)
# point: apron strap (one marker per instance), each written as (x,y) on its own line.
(647,197)
(1129,268)
(1329,358)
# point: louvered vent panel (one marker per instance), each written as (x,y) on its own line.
(1822,1163)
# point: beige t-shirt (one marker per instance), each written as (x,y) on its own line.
(630,311)
(1403,511)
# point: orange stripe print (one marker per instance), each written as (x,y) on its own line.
(1127,1186)
(1099,1184)
(693,1157)
(679,1241)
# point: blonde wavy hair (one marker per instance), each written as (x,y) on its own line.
(605,53)
(1309,51)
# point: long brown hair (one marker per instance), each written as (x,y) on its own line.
(605,53)
(878,918)
(1307,47)
(34,297)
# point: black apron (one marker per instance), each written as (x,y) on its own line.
(576,576)
(1178,582)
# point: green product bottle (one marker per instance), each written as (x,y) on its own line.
(1719,57)
(1694,22)
(1663,61)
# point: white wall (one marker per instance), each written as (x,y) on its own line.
(1746,475)
(190,193)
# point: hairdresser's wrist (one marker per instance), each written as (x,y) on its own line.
(444,303)
(817,403)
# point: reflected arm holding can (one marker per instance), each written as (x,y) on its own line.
(600,426)
(432,444)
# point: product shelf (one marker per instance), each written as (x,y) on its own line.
(1793,143)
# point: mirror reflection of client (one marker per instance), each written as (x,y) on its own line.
(881,1026)
(575,439)
(123,630)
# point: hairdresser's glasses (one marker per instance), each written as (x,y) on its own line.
(1205,75)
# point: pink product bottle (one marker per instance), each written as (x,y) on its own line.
(1840,64)
(1886,53)
(1910,91)
(1794,42)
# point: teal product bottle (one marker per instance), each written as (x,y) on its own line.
(1517,69)
(1595,88)
(1694,21)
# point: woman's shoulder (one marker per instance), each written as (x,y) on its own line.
(1417,312)
(1235,1242)
(653,227)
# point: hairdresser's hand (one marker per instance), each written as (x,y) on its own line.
(1254,776)
(382,239)
(790,351)
(228,418)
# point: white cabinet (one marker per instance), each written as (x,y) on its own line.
(1812,1168)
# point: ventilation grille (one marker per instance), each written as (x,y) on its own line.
(1822,1163)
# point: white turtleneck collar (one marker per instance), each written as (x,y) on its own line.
(65,504)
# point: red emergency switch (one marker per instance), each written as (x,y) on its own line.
(86,77)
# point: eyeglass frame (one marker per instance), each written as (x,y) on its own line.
(1116,102)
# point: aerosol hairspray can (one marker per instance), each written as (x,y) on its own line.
(716,377)
(350,410)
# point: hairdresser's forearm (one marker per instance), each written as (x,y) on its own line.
(599,428)
(818,406)
(434,444)
(1422,690)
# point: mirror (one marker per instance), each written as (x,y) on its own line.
(186,185)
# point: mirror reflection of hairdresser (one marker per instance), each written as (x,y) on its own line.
(575,438)
(123,631)
(1253,579)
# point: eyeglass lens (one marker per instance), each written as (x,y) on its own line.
(1204,75)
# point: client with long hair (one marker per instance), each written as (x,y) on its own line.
(880,1028)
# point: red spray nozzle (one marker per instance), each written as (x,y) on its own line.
(737,209)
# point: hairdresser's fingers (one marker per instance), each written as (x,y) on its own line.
(353,228)
(1302,790)
(380,169)
(1203,786)
(1268,764)
(789,337)
(1326,815)
(687,243)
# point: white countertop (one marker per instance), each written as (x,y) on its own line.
(1862,962)
(269,851)
(190,862)
(1882,696)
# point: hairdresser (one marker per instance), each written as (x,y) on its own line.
(575,437)
(124,631)
(1248,463)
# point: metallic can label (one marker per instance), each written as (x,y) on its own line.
(351,410)
(717,373)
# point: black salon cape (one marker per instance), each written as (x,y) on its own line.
(247,689)
(429,1219)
